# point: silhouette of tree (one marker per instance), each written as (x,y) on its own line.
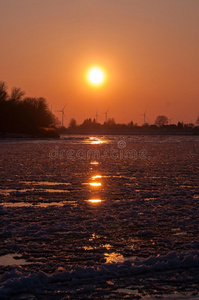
(16,94)
(90,126)
(87,123)
(111,122)
(23,115)
(72,123)
(161,121)
(189,125)
(3,91)
(180,125)
(131,124)
(145,125)
(3,107)
(197,121)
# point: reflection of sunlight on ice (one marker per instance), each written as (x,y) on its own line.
(44,183)
(96,177)
(94,236)
(114,257)
(96,184)
(95,141)
(107,246)
(38,204)
(94,162)
(88,248)
(94,200)
(31,190)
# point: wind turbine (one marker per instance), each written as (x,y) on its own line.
(96,115)
(144,115)
(63,114)
(106,115)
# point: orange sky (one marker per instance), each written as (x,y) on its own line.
(149,49)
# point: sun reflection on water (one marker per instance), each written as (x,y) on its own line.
(94,200)
(114,257)
(95,141)
(96,177)
(106,246)
(95,184)
(94,162)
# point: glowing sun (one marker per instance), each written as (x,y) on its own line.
(95,76)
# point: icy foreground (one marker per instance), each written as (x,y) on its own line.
(109,227)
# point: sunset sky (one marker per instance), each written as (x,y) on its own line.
(148,49)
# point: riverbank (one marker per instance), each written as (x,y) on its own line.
(137,131)
(39,133)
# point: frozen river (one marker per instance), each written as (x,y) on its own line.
(107,217)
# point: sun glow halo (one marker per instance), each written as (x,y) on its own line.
(95,76)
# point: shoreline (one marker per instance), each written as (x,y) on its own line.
(139,131)
(72,132)
(71,135)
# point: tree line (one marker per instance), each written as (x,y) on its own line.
(161,124)
(25,115)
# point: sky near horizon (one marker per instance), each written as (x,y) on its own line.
(148,49)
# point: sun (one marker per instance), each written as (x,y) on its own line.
(95,76)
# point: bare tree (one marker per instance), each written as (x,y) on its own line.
(161,121)
(16,94)
(73,123)
(111,122)
(197,121)
(3,91)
